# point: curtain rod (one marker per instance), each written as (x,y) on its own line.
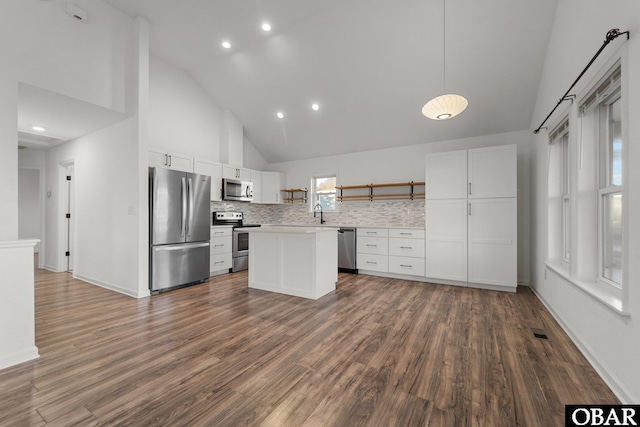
(611,36)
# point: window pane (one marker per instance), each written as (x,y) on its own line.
(326,185)
(615,143)
(327,201)
(565,163)
(612,236)
(566,229)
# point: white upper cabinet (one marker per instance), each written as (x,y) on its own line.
(165,159)
(492,172)
(256,179)
(234,172)
(214,170)
(446,176)
(272,185)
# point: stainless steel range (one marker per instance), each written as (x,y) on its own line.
(240,237)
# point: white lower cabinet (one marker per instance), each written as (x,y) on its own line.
(406,265)
(373,262)
(221,250)
(493,252)
(446,239)
(372,249)
(397,251)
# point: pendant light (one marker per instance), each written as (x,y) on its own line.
(449,105)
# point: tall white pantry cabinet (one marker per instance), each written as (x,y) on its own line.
(471,217)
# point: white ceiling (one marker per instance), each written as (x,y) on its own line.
(370,64)
(63,117)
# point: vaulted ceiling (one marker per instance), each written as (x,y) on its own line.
(370,65)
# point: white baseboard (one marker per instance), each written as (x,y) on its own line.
(52,268)
(7,360)
(614,383)
(112,287)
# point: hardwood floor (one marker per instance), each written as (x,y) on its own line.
(377,352)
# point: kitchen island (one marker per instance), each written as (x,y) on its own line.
(298,261)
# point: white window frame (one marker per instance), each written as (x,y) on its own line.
(606,188)
(586,173)
(565,179)
(314,194)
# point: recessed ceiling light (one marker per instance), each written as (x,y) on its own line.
(38,128)
(226,45)
(280,115)
(315,107)
(266,26)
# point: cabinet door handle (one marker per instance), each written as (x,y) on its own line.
(218,232)
(406,247)
(406,234)
(219,262)
(469,188)
(170,160)
(372,232)
(371,262)
(469,209)
(218,246)
(406,265)
(166,159)
(372,246)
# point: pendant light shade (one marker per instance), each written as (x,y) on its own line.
(450,105)
(445,106)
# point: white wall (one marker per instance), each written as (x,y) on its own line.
(182,116)
(609,340)
(252,157)
(404,164)
(90,62)
(29,213)
(106,205)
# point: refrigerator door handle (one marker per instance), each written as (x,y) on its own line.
(183,197)
(180,247)
(191,201)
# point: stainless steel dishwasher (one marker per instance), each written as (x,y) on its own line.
(347,250)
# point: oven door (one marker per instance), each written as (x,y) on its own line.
(240,243)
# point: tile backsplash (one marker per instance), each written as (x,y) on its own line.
(359,214)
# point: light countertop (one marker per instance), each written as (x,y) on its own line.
(290,230)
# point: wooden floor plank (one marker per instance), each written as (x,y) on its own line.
(377,351)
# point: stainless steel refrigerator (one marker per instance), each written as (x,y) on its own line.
(179,228)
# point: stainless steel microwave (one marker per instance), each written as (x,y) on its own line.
(236,190)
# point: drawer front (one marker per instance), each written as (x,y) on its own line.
(221,232)
(373,245)
(406,265)
(220,262)
(373,232)
(373,262)
(405,233)
(406,247)
(221,245)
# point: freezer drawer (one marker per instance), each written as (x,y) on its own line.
(175,265)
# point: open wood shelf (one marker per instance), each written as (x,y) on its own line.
(292,195)
(410,195)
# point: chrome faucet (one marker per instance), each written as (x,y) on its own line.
(322,221)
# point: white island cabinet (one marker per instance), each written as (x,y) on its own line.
(298,261)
